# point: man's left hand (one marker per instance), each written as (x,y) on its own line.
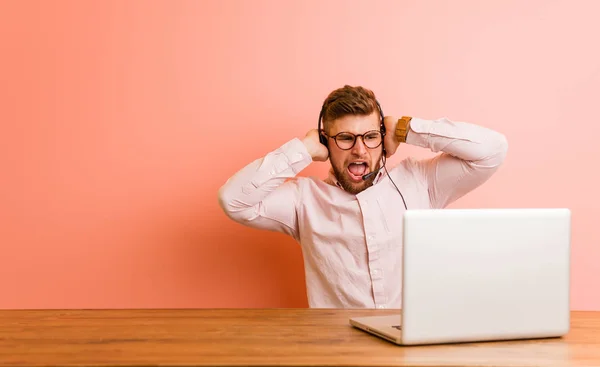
(389,141)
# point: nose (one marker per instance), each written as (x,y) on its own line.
(359,147)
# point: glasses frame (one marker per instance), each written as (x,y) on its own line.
(356,136)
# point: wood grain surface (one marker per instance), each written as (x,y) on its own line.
(269,337)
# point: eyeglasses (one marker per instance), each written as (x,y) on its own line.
(345,141)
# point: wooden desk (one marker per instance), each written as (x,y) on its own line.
(258,337)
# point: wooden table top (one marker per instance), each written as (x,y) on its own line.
(233,337)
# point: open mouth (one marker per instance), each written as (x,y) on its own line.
(357,169)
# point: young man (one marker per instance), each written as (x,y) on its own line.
(350,225)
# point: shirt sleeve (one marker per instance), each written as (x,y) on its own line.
(264,194)
(470,155)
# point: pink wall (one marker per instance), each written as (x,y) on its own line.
(120,120)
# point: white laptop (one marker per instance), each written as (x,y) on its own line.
(473,275)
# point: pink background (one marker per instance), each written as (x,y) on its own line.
(120,121)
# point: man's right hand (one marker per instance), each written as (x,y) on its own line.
(317,150)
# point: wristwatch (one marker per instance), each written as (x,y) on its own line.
(402,128)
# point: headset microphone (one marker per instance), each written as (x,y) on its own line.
(366,177)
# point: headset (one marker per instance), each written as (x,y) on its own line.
(323,140)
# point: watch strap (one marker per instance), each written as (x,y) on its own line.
(402,128)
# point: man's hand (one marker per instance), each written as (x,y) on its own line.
(317,151)
(390,142)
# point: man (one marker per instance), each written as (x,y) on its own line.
(350,225)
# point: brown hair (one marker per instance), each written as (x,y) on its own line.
(348,100)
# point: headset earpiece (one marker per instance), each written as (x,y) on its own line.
(381,117)
(322,138)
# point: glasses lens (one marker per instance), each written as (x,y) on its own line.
(345,141)
(372,139)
